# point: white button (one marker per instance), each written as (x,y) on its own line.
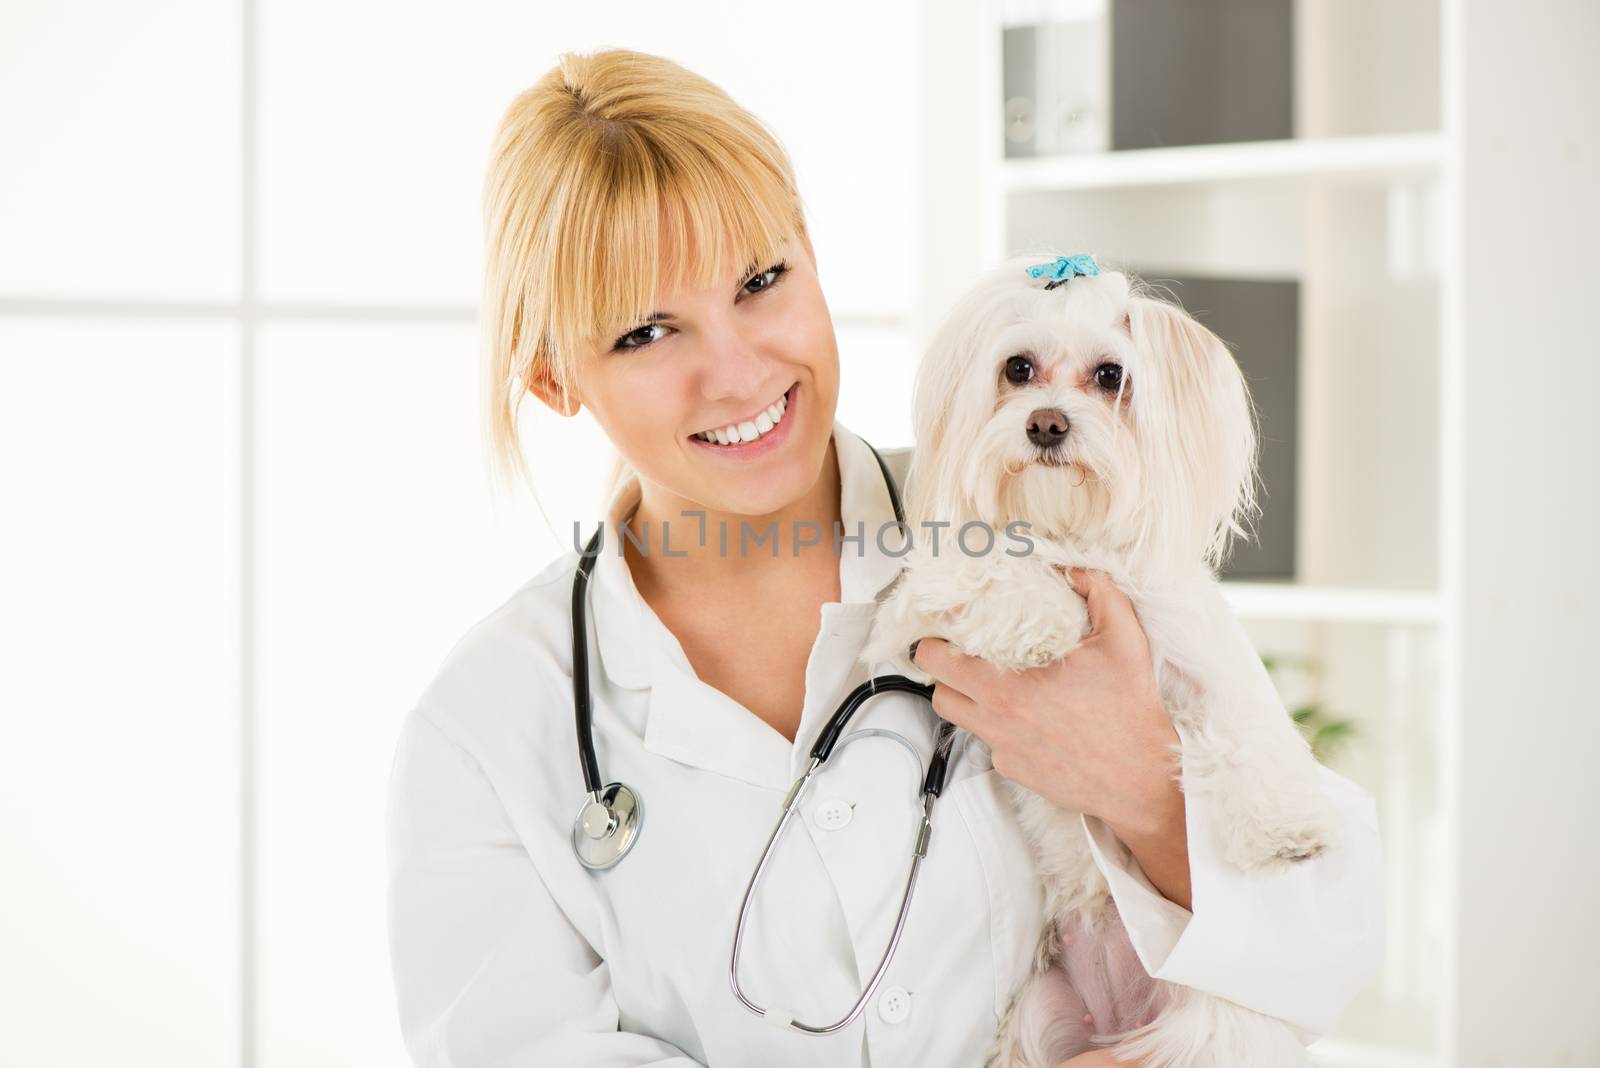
(894,1004)
(833,814)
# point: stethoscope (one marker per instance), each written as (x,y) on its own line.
(609,822)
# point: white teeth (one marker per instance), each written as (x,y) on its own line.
(749,429)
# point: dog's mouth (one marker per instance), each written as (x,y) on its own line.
(1046,458)
(1057,455)
(1053,458)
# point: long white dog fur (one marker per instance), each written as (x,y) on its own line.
(1147,472)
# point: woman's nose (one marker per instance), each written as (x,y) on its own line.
(735,368)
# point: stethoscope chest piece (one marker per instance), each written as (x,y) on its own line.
(607,826)
(609,822)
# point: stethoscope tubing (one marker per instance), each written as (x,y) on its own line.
(933,785)
(580,667)
(609,823)
(582,708)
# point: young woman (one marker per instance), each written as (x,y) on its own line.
(649,260)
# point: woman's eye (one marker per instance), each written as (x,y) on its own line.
(638,339)
(768,277)
(1019,370)
(633,339)
(1108,376)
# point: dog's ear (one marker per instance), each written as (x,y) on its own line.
(937,421)
(949,399)
(1197,433)
(1115,285)
(1117,290)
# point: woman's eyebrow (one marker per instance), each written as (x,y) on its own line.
(660,317)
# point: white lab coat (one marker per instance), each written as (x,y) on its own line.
(507,952)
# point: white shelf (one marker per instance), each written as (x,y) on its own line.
(1341,1053)
(1381,157)
(1331,604)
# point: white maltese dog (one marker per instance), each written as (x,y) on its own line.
(1120,432)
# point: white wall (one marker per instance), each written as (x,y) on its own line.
(245,515)
(1529,93)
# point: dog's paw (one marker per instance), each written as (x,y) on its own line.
(1279,844)
(1301,844)
(884,648)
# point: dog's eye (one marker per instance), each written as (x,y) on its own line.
(1108,376)
(1019,370)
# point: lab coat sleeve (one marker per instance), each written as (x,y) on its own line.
(1295,943)
(487,968)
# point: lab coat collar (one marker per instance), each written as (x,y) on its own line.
(865,509)
(691,721)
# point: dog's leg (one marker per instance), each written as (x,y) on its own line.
(1241,749)
(920,604)
(1072,881)
(1197,1030)
(1089,990)
(1048,1020)
(1265,784)
(1043,1026)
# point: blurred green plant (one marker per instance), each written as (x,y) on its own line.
(1325,733)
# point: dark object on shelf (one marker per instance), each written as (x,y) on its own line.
(1260,322)
(1201,72)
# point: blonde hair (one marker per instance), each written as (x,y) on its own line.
(615,174)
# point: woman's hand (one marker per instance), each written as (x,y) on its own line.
(1088,732)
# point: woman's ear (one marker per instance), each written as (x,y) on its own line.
(542,384)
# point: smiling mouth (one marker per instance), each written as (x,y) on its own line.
(752,429)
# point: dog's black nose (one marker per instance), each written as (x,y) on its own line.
(1047,427)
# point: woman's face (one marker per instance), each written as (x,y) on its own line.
(711,359)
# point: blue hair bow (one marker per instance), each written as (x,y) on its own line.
(1063,268)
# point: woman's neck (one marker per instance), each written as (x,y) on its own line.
(670,549)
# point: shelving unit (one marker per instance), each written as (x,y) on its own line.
(1331,604)
(1380,157)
